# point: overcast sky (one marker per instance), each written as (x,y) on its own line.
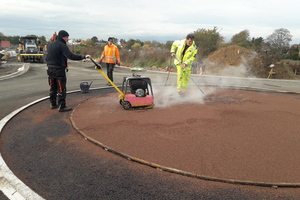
(160,20)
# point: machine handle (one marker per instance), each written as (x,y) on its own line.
(96,64)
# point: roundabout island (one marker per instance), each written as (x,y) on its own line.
(231,135)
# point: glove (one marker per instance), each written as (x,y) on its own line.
(118,63)
(169,68)
(100,60)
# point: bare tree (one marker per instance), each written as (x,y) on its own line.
(278,43)
(280,38)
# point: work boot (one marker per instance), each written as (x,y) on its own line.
(53,106)
(63,108)
(109,84)
(181,92)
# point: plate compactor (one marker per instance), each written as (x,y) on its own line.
(136,90)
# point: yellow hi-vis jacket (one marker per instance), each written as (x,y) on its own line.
(111,54)
(190,53)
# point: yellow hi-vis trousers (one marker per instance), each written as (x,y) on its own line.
(183,77)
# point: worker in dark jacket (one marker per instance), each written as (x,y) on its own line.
(57,55)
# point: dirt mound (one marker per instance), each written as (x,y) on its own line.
(239,61)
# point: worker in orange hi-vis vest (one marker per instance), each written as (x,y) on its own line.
(111,56)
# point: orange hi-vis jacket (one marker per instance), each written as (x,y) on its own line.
(111,54)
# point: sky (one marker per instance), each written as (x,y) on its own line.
(159,20)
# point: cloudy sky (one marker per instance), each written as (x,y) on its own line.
(159,20)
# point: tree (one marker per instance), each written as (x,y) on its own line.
(257,42)
(280,39)
(1,36)
(132,42)
(241,37)
(123,42)
(94,39)
(168,44)
(155,44)
(43,40)
(129,43)
(12,39)
(136,46)
(88,42)
(278,43)
(293,52)
(208,40)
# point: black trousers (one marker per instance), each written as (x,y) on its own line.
(110,68)
(57,81)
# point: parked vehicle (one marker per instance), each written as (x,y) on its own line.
(29,50)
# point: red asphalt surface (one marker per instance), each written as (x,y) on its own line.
(239,135)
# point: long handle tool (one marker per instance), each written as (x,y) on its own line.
(195,83)
(99,68)
(169,69)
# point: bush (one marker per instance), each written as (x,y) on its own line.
(145,58)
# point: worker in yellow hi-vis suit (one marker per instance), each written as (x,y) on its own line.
(184,53)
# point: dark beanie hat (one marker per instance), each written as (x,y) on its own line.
(110,39)
(63,33)
(190,36)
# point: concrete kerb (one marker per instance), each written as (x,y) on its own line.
(185,173)
(21,70)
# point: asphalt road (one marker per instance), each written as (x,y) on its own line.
(32,85)
(62,165)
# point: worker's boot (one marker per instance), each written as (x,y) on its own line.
(53,106)
(63,108)
(181,92)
